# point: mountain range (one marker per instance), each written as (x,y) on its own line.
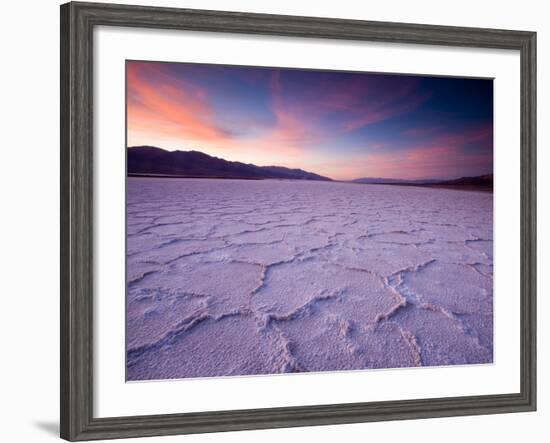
(157,162)
(482,182)
(153,161)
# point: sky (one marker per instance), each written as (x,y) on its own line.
(343,125)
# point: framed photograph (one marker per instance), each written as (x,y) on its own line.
(273,221)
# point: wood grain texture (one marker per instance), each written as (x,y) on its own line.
(77,24)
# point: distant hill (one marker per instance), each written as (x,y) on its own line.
(481,182)
(152,161)
(392,181)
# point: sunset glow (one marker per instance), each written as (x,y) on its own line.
(339,124)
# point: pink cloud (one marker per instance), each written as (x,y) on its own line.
(439,157)
(328,109)
(385,111)
(159,107)
(372,100)
(290,126)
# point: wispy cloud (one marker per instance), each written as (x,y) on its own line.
(436,156)
(164,106)
(369,102)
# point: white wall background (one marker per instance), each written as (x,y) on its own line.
(29,318)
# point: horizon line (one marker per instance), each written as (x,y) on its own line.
(322,175)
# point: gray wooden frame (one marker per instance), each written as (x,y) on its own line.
(77,24)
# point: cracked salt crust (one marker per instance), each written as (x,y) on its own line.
(239,277)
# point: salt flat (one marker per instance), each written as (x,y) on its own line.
(240,277)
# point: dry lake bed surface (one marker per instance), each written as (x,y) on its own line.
(240,277)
